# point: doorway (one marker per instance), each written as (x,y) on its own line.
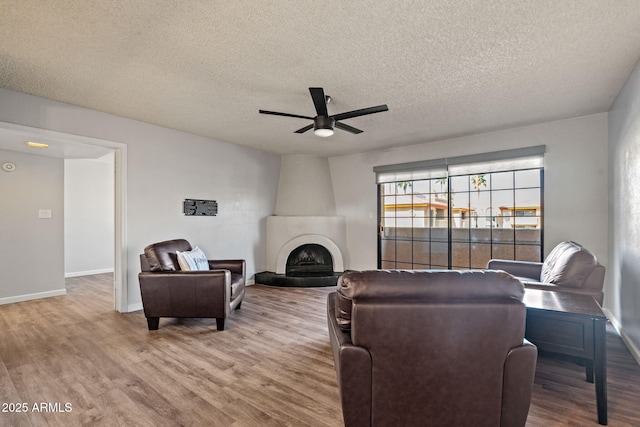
(68,146)
(88,216)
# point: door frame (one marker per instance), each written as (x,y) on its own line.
(120,267)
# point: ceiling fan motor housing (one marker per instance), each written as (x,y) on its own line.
(323,122)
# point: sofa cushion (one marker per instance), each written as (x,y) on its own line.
(193,260)
(237,285)
(162,256)
(568,264)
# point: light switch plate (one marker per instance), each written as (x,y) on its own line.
(44,213)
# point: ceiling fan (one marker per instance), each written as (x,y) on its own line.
(323,123)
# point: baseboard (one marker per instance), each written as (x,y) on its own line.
(134,307)
(251,282)
(633,348)
(29,297)
(88,272)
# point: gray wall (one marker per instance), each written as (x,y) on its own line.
(89,216)
(623,294)
(164,167)
(31,256)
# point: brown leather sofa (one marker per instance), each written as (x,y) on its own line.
(440,348)
(568,268)
(168,292)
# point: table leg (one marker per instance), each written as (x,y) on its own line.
(588,368)
(600,367)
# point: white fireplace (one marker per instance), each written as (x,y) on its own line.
(305,213)
(287,233)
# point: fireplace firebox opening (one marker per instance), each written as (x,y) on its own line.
(309,260)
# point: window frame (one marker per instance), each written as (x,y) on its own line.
(471,215)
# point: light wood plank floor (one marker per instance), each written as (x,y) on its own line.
(271,367)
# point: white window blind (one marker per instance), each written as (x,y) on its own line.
(496,161)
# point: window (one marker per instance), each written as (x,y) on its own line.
(461,214)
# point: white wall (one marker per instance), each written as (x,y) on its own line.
(575,182)
(622,297)
(31,257)
(304,188)
(164,167)
(89,216)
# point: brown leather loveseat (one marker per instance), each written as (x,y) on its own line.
(569,268)
(440,348)
(168,292)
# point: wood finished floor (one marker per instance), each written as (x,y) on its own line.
(271,367)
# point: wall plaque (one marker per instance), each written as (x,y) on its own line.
(192,207)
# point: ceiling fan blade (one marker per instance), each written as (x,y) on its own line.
(275,113)
(319,100)
(347,128)
(362,112)
(304,129)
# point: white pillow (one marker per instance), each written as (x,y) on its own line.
(192,260)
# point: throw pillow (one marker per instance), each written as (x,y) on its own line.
(192,260)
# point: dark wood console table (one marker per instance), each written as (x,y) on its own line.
(572,325)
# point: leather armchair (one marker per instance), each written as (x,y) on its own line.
(168,292)
(415,348)
(569,268)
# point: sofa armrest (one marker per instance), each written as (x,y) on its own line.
(519,372)
(353,370)
(236,266)
(185,294)
(524,269)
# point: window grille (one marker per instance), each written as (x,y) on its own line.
(457,213)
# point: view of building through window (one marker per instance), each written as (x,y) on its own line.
(462,221)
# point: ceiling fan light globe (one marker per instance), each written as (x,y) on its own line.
(323,126)
(323,132)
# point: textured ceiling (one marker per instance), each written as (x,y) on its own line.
(444,68)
